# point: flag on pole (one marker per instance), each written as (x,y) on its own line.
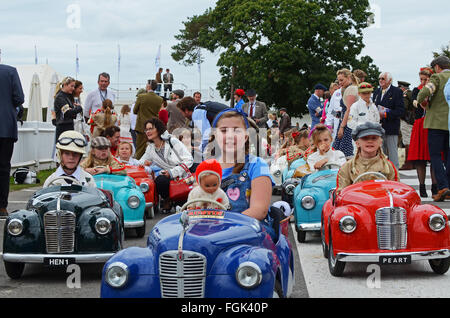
(118,60)
(35,55)
(77,63)
(158,58)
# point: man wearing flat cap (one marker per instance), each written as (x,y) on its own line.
(315,106)
(255,109)
(407,121)
(436,121)
(369,157)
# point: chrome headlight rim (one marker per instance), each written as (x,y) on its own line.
(19,225)
(308,205)
(133,202)
(242,272)
(436,217)
(114,268)
(98,223)
(144,187)
(344,228)
(290,188)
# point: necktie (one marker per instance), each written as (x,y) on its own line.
(251,110)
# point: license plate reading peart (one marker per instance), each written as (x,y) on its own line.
(395,260)
(58,261)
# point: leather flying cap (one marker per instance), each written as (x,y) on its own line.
(100,142)
(367,129)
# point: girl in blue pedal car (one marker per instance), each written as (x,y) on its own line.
(246,179)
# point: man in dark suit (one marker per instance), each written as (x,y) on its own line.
(285,122)
(168,81)
(389,100)
(147,107)
(255,109)
(11,98)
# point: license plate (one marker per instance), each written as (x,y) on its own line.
(395,260)
(58,261)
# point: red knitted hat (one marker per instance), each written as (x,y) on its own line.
(240,92)
(209,166)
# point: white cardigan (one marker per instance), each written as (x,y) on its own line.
(173,157)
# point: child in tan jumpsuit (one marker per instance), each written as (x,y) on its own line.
(370,157)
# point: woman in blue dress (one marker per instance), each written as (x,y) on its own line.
(246,179)
(349,84)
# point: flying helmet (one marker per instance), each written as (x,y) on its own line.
(71,140)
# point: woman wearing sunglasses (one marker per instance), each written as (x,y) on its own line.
(65,109)
(70,150)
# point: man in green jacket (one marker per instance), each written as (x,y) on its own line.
(147,107)
(432,100)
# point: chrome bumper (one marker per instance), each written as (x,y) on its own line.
(133,224)
(39,258)
(148,205)
(374,258)
(309,227)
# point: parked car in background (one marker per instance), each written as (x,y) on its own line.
(129,196)
(383,222)
(63,225)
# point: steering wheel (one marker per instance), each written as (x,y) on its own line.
(329,166)
(65,178)
(202,200)
(370,172)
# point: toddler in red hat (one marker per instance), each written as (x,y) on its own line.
(208,176)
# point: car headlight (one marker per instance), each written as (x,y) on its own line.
(248,275)
(436,222)
(144,187)
(15,227)
(290,189)
(277,173)
(117,275)
(133,202)
(347,224)
(103,226)
(308,202)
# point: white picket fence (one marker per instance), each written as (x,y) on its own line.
(34,148)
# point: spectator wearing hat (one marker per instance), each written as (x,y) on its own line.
(364,109)
(100,160)
(285,121)
(147,106)
(369,157)
(239,98)
(389,100)
(255,109)
(437,123)
(407,121)
(315,105)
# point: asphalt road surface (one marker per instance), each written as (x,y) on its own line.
(312,278)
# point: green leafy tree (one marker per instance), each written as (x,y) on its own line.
(445,51)
(281,48)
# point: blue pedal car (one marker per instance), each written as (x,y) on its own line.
(203,254)
(130,198)
(290,183)
(309,197)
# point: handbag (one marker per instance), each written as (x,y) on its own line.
(179,188)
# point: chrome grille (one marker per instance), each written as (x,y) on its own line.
(59,229)
(392,228)
(183,278)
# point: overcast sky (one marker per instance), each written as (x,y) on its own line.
(401,41)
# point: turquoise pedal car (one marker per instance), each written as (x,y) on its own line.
(309,197)
(289,183)
(130,198)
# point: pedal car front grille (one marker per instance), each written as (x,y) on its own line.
(182,278)
(59,229)
(392,228)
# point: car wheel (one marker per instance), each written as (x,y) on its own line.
(336,267)
(14,270)
(301,236)
(140,231)
(440,266)
(278,290)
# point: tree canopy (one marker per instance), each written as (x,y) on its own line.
(281,48)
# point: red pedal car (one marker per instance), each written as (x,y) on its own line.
(147,184)
(383,222)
